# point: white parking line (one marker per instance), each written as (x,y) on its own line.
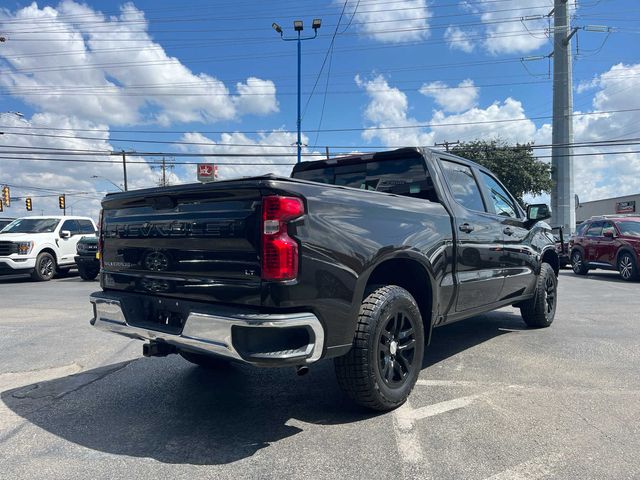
(414,462)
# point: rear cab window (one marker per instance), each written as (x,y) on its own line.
(400,175)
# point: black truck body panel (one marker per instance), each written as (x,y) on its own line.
(201,243)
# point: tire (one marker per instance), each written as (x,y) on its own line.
(88,273)
(577,263)
(540,311)
(383,365)
(45,268)
(205,361)
(627,267)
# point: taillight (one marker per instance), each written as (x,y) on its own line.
(100,241)
(279,250)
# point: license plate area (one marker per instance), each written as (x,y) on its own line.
(164,315)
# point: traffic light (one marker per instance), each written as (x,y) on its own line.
(61,202)
(28,204)
(6,196)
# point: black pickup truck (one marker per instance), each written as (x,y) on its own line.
(355,258)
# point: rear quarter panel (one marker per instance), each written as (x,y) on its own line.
(344,235)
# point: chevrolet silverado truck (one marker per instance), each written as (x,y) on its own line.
(42,246)
(355,258)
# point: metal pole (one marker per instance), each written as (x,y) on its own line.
(124,169)
(563,190)
(299,102)
(164,174)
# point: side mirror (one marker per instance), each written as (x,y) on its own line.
(608,233)
(65,234)
(538,211)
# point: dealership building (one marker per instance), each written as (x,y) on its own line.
(608,206)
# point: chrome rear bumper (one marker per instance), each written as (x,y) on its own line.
(212,333)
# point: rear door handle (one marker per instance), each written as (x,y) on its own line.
(466,228)
(507,231)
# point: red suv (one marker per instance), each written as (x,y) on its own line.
(607,242)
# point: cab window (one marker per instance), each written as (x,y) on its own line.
(500,199)
(608,227)
(72,226)
(463,185)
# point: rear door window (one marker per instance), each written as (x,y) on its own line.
(464,186)
(86,226)
(595,230)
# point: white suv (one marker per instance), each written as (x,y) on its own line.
(42,246)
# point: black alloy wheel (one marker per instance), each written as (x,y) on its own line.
(397,347)
(385,360)
(45,267)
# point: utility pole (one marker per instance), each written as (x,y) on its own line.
(164,166)
(124,169)
(563,190)
(446,144)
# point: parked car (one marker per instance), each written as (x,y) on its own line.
(355,258)
(5,221)
(562,246)
(42,246)
(609,242)
(87,258)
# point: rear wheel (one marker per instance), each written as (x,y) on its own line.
(45,268)
(627,267)
(540,311)
(205,361)
(577,263)
(383,365)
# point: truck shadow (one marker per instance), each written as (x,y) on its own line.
(168,410)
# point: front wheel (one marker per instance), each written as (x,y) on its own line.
(627,267)
(540,311)
(88,273)
(45,268)
(383,365)
(577,263)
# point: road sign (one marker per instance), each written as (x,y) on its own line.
(207,172)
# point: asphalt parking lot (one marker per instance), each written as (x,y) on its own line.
(494,400)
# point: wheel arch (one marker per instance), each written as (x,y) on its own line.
(50,251)
(414,275)
(626,249)
(551,257)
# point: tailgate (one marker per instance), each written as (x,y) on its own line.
(200,242)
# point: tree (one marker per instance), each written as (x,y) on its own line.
(515,166)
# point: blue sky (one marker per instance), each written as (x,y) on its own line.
(206,71)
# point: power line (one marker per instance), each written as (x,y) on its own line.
(344,129)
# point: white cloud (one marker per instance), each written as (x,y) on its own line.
(256,96)
(63,177)
(112,80)
(458,39)
(503,29)
(401,21)
(389,107)
(452,99)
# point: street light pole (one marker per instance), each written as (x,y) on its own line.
(298,27)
